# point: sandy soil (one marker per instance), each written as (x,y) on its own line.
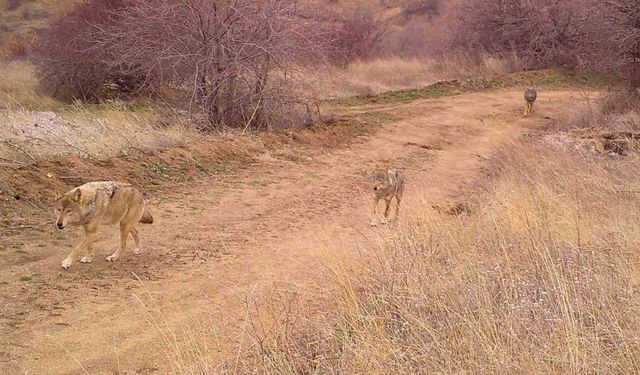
(218,242)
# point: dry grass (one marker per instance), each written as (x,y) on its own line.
(18,89)
(614,111)
(37,127)
(536,273)
(540,276)
(607,125)
(396,73)
(104,131)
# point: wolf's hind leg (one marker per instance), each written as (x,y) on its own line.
(125,229)
(136,239)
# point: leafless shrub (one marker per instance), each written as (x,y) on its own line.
(413,40)
(228,62)
(599,35)
(612,40)
(231,61)
(621,101)
(542,32)
(351,35)
(71,65)
(618,111)
(421,7)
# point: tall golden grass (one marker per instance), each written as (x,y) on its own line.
(539,274)
(399,73)
(34,126)
(18,88)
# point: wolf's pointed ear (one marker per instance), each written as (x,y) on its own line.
(370,174)
(391,173)
(57,196)
(76,195)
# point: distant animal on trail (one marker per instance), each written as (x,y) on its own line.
(101,203)
(386,184)
(530,95)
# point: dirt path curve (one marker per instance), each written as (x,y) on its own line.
(275,224)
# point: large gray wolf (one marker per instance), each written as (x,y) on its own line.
(386,184)
(101,203)
(530,95)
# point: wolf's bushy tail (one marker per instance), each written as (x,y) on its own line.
(146,216)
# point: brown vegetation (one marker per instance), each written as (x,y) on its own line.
(537,274)
(593,35)
(229,63)
(421,7)
(21,21)
(70,63)
(611,41)
(542,32)
(350,35)
(533,272)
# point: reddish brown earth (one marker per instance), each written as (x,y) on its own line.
(220,241)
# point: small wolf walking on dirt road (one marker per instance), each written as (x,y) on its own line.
(101,203)
(387,184)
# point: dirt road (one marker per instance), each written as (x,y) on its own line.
(219,241)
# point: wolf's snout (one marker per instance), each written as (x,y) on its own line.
(60,225)
(375,188)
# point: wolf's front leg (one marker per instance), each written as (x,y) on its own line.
(385,220)
(528,109)
(88,257)
(373,222)
(84,245)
